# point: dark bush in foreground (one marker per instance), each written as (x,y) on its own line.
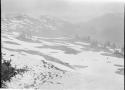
(7,71)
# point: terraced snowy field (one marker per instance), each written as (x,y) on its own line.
(61,64)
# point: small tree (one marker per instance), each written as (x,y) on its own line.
(108,43)
(88,38)
(116,52)
(94,43)
(113,46)
(122,50)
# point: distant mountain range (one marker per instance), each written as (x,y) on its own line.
(43,26)
(109,27)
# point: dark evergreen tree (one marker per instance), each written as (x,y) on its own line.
(108,43)
(89,38)
(94,44)
(122,49)
(113,46)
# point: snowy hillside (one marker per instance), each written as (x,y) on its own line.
(62,45)
(42,26)
(61,64)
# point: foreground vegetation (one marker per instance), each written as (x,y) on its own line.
(8,71)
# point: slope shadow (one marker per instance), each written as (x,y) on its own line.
(47,57)
(9,42)
(66,49)
(112,55)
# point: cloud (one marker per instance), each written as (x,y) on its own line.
(34,5)
(61,8)
(96,1)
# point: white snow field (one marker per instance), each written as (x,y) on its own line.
(72,67)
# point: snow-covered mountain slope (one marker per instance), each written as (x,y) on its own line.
(43,26)
(61,64)
(48,26)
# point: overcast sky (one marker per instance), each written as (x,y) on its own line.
(69,9)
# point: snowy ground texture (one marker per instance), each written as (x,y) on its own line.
(58,64)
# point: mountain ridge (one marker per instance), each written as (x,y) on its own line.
(103,28)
